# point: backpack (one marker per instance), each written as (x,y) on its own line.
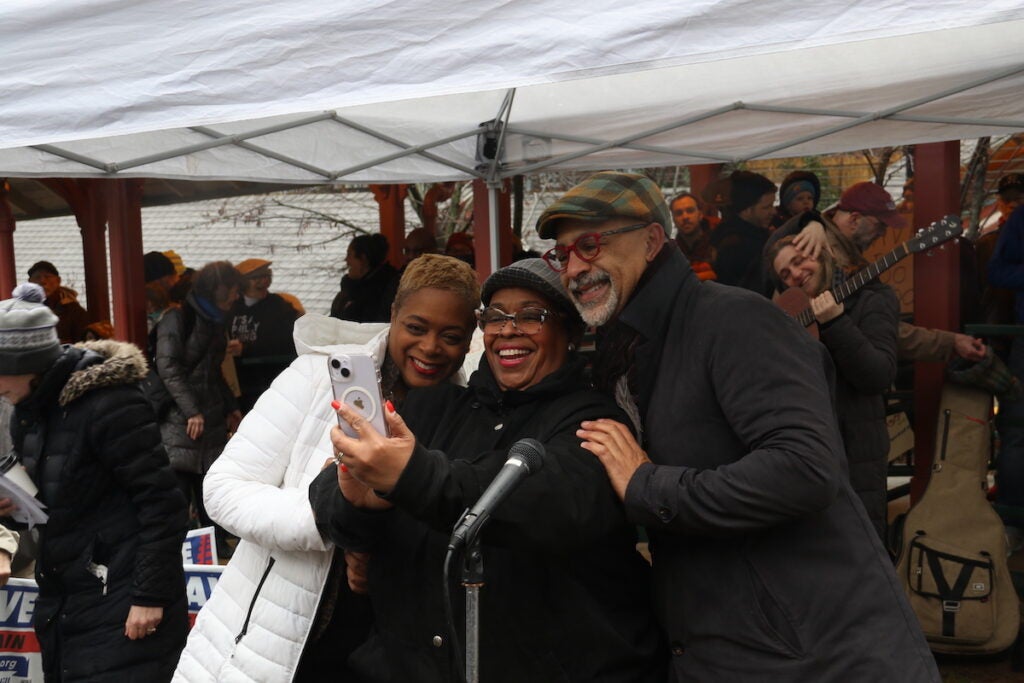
(953,563)
(153,387)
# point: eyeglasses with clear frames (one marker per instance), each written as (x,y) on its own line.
(587,246)
(528,321)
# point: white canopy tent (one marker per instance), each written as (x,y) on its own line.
(396,91)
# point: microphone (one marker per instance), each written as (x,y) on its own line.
(524,458)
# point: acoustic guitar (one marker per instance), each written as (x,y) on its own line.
(798,305)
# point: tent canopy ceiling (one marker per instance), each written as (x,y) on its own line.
(286,91)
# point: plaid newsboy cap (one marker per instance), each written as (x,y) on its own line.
(605,195)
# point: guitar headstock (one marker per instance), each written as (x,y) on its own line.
(935,234)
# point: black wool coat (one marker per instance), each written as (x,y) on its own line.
(117,520)
(369,299)
(739,245)
(566,595)
(766,567)
(862,344)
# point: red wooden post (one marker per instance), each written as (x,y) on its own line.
(391,204)
(936,290)
(482,227)
(92,220)
(87,199)
(124,199)
(8,271)
(702,175)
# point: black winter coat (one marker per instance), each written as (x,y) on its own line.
(862,343)
(566,596)
(766,567)
(89,441)
(190,347)
(739,246)
(368,299)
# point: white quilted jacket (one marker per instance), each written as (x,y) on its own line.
(257,489)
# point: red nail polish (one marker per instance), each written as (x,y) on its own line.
(390,406)
(343,466)
(335,405)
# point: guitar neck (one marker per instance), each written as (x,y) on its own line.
(859,279)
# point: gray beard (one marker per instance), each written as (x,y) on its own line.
(599,313)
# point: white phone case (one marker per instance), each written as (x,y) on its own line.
(356,383)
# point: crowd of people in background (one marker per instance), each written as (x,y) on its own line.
(686,420)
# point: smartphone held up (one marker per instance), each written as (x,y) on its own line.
(356,383)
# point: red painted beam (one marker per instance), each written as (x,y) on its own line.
(482,227)
(391,205)
(124,201)
(702,175)
(8,271)
(92,221)
(87,200)
(937,291)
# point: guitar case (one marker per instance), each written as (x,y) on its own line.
(952,562)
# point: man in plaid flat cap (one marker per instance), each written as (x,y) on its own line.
(765,564)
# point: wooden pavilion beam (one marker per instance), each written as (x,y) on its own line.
(937,288)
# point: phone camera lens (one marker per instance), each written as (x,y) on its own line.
(335,363)
(345,372)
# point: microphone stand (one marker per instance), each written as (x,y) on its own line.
(473,580)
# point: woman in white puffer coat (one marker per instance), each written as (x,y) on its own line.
(265,621)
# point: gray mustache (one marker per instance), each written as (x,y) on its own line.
(588,280)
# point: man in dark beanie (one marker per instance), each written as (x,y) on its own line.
(741,235)
(63,301)
(111,602)
(160,269)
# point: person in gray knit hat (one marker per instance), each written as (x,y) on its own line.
(28,333)
(111,585)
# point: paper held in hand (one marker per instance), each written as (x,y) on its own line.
(16,485)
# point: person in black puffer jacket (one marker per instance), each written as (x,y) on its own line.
(111,603)
(190,345)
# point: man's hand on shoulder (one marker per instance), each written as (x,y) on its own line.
(616,448)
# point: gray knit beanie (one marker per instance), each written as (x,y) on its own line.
(28,333)
(533,274)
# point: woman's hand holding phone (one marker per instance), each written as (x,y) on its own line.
(372,458)
(358,493)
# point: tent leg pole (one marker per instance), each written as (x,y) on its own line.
(494,228)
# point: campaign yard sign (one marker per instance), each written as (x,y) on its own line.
(199,547)
(19,650)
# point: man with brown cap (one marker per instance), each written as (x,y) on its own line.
(262,322)
(766,567)
(63,301)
